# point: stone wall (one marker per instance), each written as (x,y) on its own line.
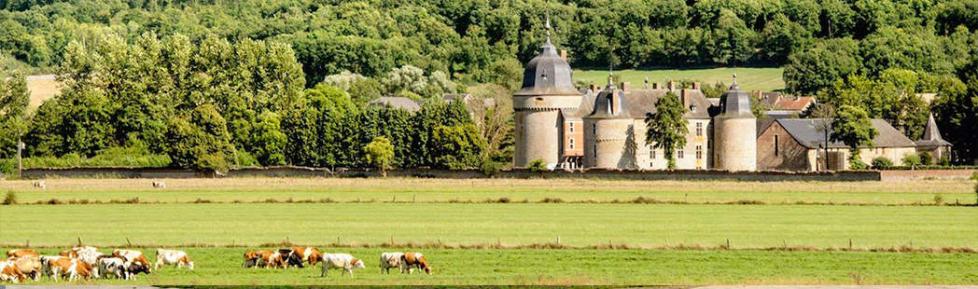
(463,174)
(778,150)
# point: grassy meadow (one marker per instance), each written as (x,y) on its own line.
(749,78)
(586,267)
(480,190)
(779,233)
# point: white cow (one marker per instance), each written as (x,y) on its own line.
(390,260)
(341,261)
(171,257)
(46,264)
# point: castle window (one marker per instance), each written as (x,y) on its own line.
(699,152)
(652,154)
(572,127)
(594,152)
(680,154)
(594,130)
(699,129)
(572,143)
(777,150)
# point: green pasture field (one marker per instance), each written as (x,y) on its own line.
(749,78)
(582,267)
(746,226)
(480,190)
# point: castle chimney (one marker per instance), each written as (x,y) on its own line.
(624,86)
(563,54)
(682,96)
(593,87)
(671,85)
(696,85)
(655,85)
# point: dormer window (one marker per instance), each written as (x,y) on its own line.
(544,76)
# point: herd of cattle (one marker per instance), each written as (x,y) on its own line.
(301,256)
(87,262)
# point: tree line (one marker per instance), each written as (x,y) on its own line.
(840,50)
(215,104)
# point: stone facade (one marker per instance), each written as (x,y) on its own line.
(592,128)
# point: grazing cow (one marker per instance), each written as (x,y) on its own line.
(46,262)
(308,254)
(412,260)
(341,261)
(73,268)
(131,256)
(17,253)
(262,259)
(9,272)
(113,267)
(134,268)
(172,257)
(290,258)
(390,260)
(87,254)
(28,265)
(40,185)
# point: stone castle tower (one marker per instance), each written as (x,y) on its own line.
(735,132)
(608,131)
(548,89)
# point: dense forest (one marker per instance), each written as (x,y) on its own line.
(282,82)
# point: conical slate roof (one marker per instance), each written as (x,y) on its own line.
(932,135)
(736,102)
(610,104)
(547,74)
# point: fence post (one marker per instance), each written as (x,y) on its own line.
(728,243)
(850,244)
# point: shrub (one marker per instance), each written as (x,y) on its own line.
(882,163)
(945,161)
(10,198)
(489,167)
(938,199)
(926,158)
(911,160)
(857,164)
(537,166)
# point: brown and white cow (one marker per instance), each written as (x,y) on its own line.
(17,253)
(263,259)
(133,256)
(9,272)
(309,255)
(412,260)
(172,257)
(29,266)
(72,268)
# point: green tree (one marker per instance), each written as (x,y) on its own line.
(819,67)
(270,140)
(730,41)
(853,127)
(200,140)
(912,160)
(14,98)
(783,38)
(667,127)
(380,154)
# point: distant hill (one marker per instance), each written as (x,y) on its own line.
(764,79)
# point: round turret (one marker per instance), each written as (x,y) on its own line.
(606,132)
(735,132)
(548,89)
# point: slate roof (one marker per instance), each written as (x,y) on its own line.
(397,102)
(616,108)
(807,132)
(639,102)
(736,103)
(932,135)
(778,101)
(547,74)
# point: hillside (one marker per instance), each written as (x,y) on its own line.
(750,79)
